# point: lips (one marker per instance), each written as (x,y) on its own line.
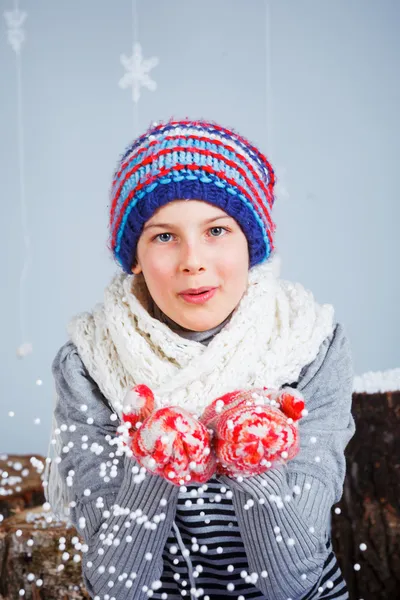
(196,291)
(200,298)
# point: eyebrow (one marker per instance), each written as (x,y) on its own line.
(170,225)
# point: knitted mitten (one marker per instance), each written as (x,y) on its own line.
(168,442)
(254,429)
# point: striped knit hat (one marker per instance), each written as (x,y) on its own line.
(198,160)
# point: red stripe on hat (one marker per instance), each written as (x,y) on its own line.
(151,178)
(267,190)
(259,203)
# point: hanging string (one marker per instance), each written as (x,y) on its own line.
(269,107)
(134,41)
(137,69)
(16,37)
(280,187)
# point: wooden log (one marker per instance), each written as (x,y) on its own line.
(370,506)
(21,485)
(32,558)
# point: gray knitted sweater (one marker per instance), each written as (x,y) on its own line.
(281,518)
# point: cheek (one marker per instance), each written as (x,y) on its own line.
(235,278)
(237,266)
(155,260)
(236,263)
(158,272)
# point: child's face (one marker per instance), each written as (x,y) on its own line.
(189,253)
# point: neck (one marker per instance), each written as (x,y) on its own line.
(199,336)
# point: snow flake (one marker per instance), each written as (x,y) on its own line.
(15,33)
(363,547)
(137,72)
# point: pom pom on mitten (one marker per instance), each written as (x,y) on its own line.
(253,430)
(291,403)
(138,404)
(169,442)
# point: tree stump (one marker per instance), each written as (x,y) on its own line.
(33,547)
(370,506)
(21,485)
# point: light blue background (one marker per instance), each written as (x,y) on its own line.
(314,83)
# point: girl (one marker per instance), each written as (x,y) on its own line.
(199,434)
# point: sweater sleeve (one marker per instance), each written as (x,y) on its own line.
(287,524)
(124,519)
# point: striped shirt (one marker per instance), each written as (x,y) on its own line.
(210,532)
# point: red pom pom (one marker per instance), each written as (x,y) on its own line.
(292,403)
(138,404)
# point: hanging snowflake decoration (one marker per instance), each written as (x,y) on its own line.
(16,35)
(24,349)
(137,72)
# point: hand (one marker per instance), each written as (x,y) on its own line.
(254,429)
(169,442)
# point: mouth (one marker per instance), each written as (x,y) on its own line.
(198,296)
(196,291)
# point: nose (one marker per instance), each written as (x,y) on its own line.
(191,258)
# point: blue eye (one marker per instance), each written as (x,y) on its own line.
(160,234)
(157,237)
(217,228)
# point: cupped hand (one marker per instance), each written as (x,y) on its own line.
(170,441)
(254,429)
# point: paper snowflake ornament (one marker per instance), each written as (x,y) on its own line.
(24,349)
(16,35)
(137,72)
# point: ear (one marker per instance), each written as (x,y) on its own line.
(136,269)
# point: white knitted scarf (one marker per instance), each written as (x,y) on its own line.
(276,329)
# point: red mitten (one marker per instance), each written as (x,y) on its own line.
(254,429)
(169,442)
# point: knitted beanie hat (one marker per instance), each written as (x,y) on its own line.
(197,160)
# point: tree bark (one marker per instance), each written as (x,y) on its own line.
(42,558)
(370,506)
(22,487)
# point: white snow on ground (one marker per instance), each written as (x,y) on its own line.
(374,382)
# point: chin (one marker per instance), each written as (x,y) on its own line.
(199,325)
